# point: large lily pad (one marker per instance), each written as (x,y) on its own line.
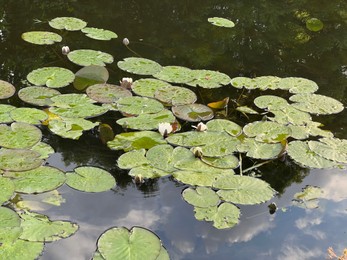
(38,180)
(79,111)
(175,74)
(202,197)
(19,135)
(71,100)
(200,178)
(6,89)
(193,112)
(223,125)
(140,66)
(136,244)
(99,34)
(148,172)
(6,191)
(226,147)
(19,159)
(28,115)
(90,179)
(209,79)
(52,77)
(90,57)
(267,132)
(39,228)
(290,115)
(132,159)
(139,105)
(41,37)
(334,149)
(148,87)
(67,23)
(221,22)
(90,75)
(243,189)
(5,113)
(224,162)
(21,248)
(39,96)
(260,150)
(175,96)
(298,85)
(9,226)
(196,138)
(270,102)
(161,157)
(107,93)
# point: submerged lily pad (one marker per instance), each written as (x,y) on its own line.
(19,135)
(139,105)
(19,159)
(90,57)
(175,74)
(90,179)
(67,23)
(5,113)
(201,197)
(9,226)
(99,34)
(107,93)
(209,79)
(221,22)
(28,115)
(39,96)
(175,96)
(148,87)
(193,112)
(135,244)
(90,75)
(314,24)
(6,89)
(39,228)
(6,191)
(52,77)
(41,37)
(308,198)
(140,66)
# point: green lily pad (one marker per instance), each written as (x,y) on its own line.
(19,159)
(148,172)
(6,89)
(196,138)
(79,111)
(28,115)
(308,198)
(200,178)
(301,153)
(38,180)
(90,57)
(19,135)
(209,79)
(163,254)
(67,23)
(71,128)
(223,125)
(135,244)
(201,197)
(222,148)
(247,110)
(243,189)
(107,93)
(44,149)
(6,190)
(259,150)
(52,77)
(290,115)
(175,96)
(262,83)
(99,34)
(140,66)
(161,157)
(224,162)
(132,159)
(316,104)
(39,228)
(226,215)
(175,74)
(267,132)
(314,24)
(21,248)
(39,96)
(9,226)
(270,102)
(240,82)
(41,37)
(221,22)
(148,87)
(53,198)
(139,105)
(71,100)
(90,75)
(298,85)
(193,112)
(90,179)
(334,149)
(5,110)
(136,140)
(147,121)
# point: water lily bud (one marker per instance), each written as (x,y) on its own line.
(165,129)
(197,151)
(65,50)
(126,83)
(126,41)
(201,127)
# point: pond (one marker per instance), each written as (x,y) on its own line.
(291,196)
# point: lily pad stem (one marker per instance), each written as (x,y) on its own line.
(256,166)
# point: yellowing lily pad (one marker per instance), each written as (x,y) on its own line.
(193,112)
(90,57)
(140,66)
(52,77)
(41,37)
(67,23)
(6,89)
(99,34)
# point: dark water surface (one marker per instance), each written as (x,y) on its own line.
(270,38)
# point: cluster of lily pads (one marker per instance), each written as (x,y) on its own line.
(207,158)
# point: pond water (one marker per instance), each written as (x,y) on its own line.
(269,38)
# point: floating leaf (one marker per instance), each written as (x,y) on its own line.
(105,133)
(201,197)
(21,248)
(209,79)
(121,243)
(270,102)
(71,100)
(223,125)
(298,85)
(290,115)
(330,148)
(175,96)
(67,23)
(221,149)
(161,157)
(240,82)
(19,159)
(139,105)
(9,226)
(147,171)
(268,132)
(193,112)
(52,77)
(262,83)
(79,111)
(90,179)
(107,93)
(200,178)
(6,89)
(90,75)
(259,150)
(247,110)
(39,96)
(224,162)
(38,180)
(243,189)
(40,228)
(136,140)
(219,104)
(132,159)
(6,191)
(221,22)
(99,34)
(175,74)
(19,135)
(41,37)
(196,138)
(44,149)
(5,113)
(140,66)
(53,198)
(314,24)
(148,87)
(226,215)
(308,198)
(90,57)
(28,115)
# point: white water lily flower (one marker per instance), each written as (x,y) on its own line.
(201,127)
(65,50)
(126,83)
(165,129)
